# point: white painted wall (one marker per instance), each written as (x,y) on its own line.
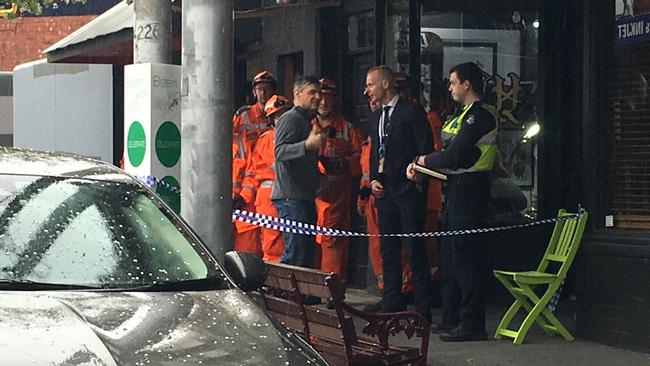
(64,107)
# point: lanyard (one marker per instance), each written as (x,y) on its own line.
(384,125)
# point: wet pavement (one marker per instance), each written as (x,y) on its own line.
(538,349)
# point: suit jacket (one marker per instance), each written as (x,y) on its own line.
(409,135)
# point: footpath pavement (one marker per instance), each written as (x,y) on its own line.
(538,349)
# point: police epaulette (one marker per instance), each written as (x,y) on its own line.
(243,109)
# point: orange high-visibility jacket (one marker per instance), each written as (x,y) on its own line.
(249,122)
(261,164)
(339,158)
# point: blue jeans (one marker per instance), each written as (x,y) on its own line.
(298,248)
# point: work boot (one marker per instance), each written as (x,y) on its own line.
(437,328)
(463,334)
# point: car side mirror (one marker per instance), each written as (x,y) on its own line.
(247,270)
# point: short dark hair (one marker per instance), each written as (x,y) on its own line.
(471,72)
(385,72)
(303,81)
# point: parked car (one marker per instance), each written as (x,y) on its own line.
(96,270)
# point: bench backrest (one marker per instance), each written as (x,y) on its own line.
(309,320)
(564,243)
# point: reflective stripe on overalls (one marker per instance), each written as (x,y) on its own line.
(487,144)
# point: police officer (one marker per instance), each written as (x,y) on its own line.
(469,150)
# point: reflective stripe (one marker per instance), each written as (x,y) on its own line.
(255,126)
(249,187)
(245,121)
(247,124)
(267,184)
(236,185)
(248,174)
(366,176)
(241,153)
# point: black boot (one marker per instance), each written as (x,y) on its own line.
(463,334)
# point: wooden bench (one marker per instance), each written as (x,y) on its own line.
(332,331)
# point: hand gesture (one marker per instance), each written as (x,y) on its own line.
(315,139)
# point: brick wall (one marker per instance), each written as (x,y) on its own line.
(23,39)
(613,289)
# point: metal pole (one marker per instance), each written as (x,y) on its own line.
(415,65)
(206,158)
(152,32)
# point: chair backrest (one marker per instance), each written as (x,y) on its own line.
(564,242)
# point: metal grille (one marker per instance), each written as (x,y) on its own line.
(629,158)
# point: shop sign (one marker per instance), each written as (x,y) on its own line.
(632,29)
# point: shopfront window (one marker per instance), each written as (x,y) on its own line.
(629,99)
(505,45)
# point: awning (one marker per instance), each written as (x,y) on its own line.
(112,21)
(108,39)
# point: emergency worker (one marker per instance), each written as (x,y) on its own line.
(249,122)
(338,162)
(262,165)
(467,156)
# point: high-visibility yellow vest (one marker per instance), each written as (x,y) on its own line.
(487,144)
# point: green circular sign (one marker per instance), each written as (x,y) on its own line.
(170,195)
(136,144)
(168,144)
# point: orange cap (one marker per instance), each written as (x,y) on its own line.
(276,103)
(327,86)
(264,77)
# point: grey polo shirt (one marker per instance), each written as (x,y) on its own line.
(296,174)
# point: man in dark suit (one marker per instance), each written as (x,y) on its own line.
(399,131)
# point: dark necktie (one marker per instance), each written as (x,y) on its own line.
(386,121)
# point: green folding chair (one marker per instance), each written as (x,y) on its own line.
(561,250)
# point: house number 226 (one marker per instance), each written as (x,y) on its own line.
(148,31)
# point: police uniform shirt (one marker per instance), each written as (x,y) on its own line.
(461,152)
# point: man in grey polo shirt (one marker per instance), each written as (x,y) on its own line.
(297,143)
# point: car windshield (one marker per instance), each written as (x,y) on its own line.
(84,232)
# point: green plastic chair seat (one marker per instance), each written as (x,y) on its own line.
(530,277)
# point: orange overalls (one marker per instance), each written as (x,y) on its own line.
(261,164)
(247,124)
(372,225)
(339,162)
(434,201)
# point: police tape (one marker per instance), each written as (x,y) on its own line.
(297,227)
(155,182)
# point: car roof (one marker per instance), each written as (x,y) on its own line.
(58,164)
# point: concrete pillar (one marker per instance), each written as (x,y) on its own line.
(207,104)
(152,31)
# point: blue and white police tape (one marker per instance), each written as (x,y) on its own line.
(297,227)
(155,182)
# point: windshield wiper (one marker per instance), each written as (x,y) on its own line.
(13,284)
(201,284)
